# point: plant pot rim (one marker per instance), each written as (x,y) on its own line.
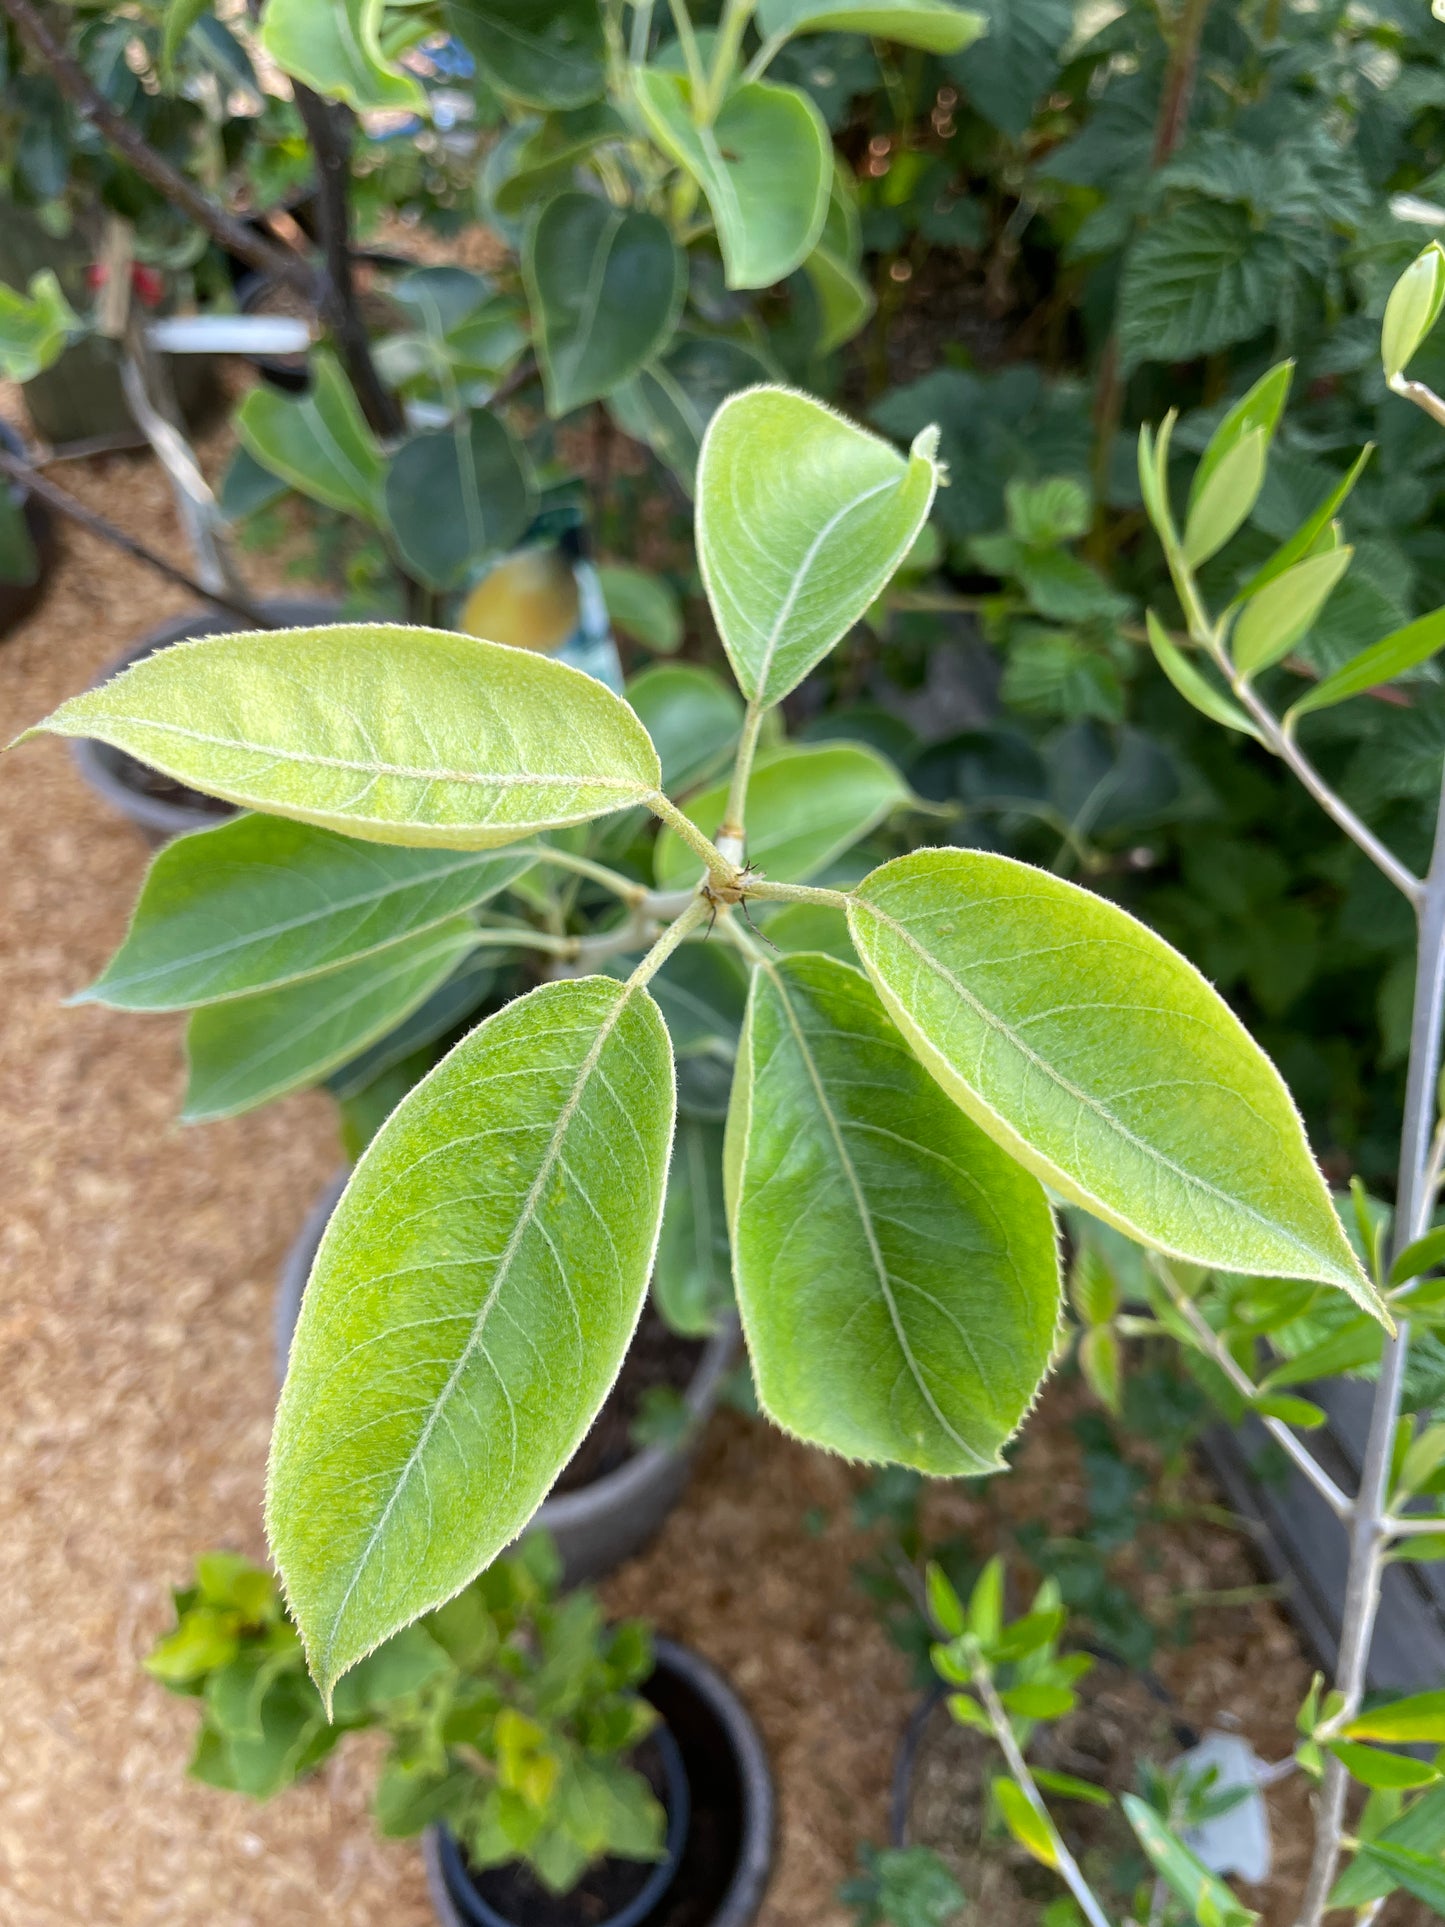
(154,813)
(634,1912)
(559,1510)
(737,1906)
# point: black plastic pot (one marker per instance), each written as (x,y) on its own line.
(718,1876)
(601,1524)
(18,599)
(121,781)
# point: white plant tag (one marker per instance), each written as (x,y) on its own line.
(1235,1842)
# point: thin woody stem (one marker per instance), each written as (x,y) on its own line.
(675,934)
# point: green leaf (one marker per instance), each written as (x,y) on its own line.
(18,560)
(605,286)
(1374,1768)
(945,1608)
(1043,514)
(1226,499)
(1036,1700)
(181,16)
(808,803)
(810,926)
(318,442)
(1305,540)
(670,403)
(1203,1893)
(1421,1828)
(692,716)
(1102,1060)
(1412,310)
(1101,1360)
(985,1602)
(1285,609)
(1196,280)
(1258,410)
(765,166)
(335,47)
(643,606)
(1193,686)
(34,328)
(844,296)
(260,902)
(469,1310)
(692,1280)
(1007,73)
(1025,1823)
(1420,1717)
(250,1049)
(1070,1788)
(802,518)
(457,496)
(1350,1349)
(1299,1412)
(1405,649)
(934,25)
(897,1276)
(1418,1258)
(542,53)
(392,735)
(1420,1874)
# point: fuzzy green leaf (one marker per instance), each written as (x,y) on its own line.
(802,519)
(605,285)
(469,1310)
(807,803)
(934,25)
(318,442)
(249,1050)
(261,902)
(1102,1060)
(897,1275)
(765,166)
(393,735)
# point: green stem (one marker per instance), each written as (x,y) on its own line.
(675,934)
(687,39)
(732,831)
(719,869)
(522,936)
(736,15)
(796,893)
(627,888)
(765,56)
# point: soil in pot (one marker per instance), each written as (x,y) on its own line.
(658,1359)
(1121,1719)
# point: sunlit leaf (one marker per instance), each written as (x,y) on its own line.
(34,327)
(335,47)
(469,1310)
(934,25)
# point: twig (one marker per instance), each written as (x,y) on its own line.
(232,233)
(1304,1460)
(1413,1206)
(732,831)
(1415,1525)
(44,490)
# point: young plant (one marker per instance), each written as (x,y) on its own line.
(509,1714)
(889,1130)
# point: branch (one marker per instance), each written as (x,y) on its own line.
(44,490)
(1303,1459)
(1414,1526)
(232,233)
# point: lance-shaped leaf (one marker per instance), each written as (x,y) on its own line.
(1102,1060)
(806,804)
(318,442)
(1391,656)
(456,496)
(469,1310)
(896,1272)
(393,735)
(765,166)
(934,25)
(335,47)
(802,518)
(605,286)
(250,1049)
(261,901)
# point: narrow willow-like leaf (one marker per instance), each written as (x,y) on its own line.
(251,1049)
(802,518)
(1102,1060)
(1191,684)
(896,1272)
(935,25)
(1202,1892)
(1391,656)
(262,901)
(765,166)
(605,286)
(1305,538)
(469,1310)
(393,735)
(807,804)
(318,442)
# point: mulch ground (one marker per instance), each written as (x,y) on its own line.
(135,1358)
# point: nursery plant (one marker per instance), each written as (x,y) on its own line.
(510,1715)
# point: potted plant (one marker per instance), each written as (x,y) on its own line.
(561,1770)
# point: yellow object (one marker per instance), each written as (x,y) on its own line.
(528,601)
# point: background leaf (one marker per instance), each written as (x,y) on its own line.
(469,1310)
(456,496)
(335,47)
(934,25)
(896,1272)
(1196,280)
(670,402)
(692,716)
(394,735)
(802,519)
(318,442)
(1099,1057)
(692,1279)
(544,53)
